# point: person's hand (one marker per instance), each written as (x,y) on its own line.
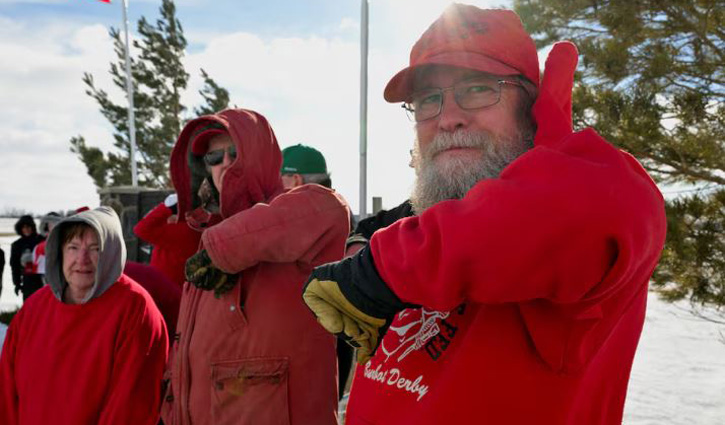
(170,202)
(26,259)
(200,272)
(552,109)
(340,317)
(350,301)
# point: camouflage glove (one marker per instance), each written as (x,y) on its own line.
(351,301)
(200,272)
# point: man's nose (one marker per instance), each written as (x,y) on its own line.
(452,116)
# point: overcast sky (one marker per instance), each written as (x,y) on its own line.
(296,62)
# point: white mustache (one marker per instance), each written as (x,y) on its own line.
(439,181)
(457,140)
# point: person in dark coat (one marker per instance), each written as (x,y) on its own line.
(21,257)
(2,268)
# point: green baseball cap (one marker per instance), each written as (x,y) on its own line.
(301,159)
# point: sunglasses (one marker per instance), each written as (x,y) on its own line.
(216,157)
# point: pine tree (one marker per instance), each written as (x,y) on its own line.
(216,98)
(652,81)
(159,78)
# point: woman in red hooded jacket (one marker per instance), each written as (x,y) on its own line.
(250,352)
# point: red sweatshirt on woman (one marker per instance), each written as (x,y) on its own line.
(95,363)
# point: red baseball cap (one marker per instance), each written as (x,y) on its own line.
(201,137)
(486,40)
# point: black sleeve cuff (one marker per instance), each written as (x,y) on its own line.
(368,290)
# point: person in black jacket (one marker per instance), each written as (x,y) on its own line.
(364,230)
(2,268)
(21,257)
(382,219)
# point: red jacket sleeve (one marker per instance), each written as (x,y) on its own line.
(134,394)
(566,222)
(8,389)
(153,227)
(308,224)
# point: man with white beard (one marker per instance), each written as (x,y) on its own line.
(517,292)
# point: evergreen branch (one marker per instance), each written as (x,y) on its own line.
(680,168)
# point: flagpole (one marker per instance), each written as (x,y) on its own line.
(129,93)
(363,109)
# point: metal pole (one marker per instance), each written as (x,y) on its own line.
(363,109)
(377,204)
(129,93)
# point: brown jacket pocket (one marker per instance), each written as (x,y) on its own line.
(250,391)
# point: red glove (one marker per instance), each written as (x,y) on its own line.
(552,109)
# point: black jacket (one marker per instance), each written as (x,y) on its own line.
(384,218)
(2,267)
(16,251)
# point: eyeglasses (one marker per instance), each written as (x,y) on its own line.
(216,156)
(474,93)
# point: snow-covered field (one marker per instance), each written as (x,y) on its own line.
(678,376)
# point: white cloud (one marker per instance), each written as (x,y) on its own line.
(349,24)
(43,106)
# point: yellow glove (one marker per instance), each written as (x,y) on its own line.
(351,301)
(338,316)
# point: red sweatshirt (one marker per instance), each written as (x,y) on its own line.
(173,242)
(165,293)
(534,287)
(98,363)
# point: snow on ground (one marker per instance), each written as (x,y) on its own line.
(678,376)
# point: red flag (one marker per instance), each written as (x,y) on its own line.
(105,1)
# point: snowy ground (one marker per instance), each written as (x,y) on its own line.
(678,377)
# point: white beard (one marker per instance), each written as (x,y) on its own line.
(454,177)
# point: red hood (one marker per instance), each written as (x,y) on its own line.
(254,176)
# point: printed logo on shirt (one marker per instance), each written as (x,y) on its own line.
(411,331)
(394,378)
(414,329)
